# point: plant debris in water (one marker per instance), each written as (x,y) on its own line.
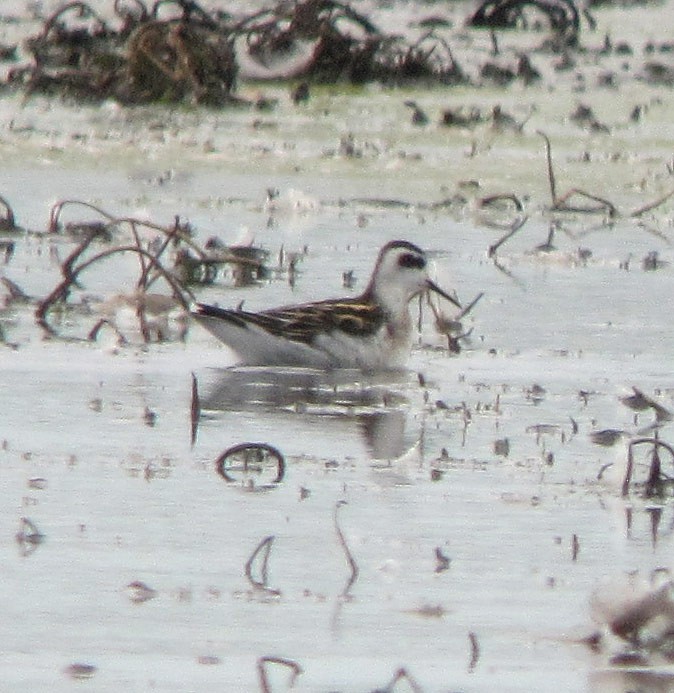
(177,51)
(254,466)
(170,255)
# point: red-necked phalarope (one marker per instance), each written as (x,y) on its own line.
(372,331)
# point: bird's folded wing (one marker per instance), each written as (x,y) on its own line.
(302,323)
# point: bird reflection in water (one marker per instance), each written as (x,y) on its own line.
(370,404)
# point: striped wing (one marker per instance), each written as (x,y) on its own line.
(303,322)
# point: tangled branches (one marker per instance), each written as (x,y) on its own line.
(195,56)
(151,264)
(165,254)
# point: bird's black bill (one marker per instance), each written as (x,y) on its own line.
(432,286)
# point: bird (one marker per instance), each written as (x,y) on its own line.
(370,332)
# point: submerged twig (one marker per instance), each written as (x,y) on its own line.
(651,205)
(264,548)
(474,652)
(55,213)
(251,456)
(402,675)
(489,200)
(349,556)
(575,547)
(104,322)
(560,203)
(71,274)
(29,536)
(16,293)
(294,667)
(8,223)
(654,481)
(551,170)
(516,226)
(195,410)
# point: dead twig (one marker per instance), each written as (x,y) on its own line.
(103,322)
(469,307)
(516,226)
(651,205)
(262,662)
(575,547)
(604,204)
(249,459)
(16,293)
(263,549)
(402,675)
(500,197)
(176,232)
(474,652)
(28,537)
(55,213)
(560,203)
(71,274)
(195,410)
(349,556)
(8,223)
(551,170)
(654,482)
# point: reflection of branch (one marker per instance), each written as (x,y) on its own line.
(28,537)
(58,208)
(560,203)
(654,473)
(492,199)
(403,675)
(103,322)
(71,274)
(489,200)
(195,410)
(257,453)
(54,223)
(651,205)
(8,223)
(551,171)
(474,652)
(349,557)
(469,307)
(263,547)
(516,226)
(295,668)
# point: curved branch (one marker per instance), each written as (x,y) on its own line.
(71,274)
(84,10)
(655,442)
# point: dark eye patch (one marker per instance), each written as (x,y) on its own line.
(410,260)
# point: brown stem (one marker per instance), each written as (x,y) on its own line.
(655,442)
(295,668)
(264,548)
(551,172)
(514,229)
(349,556)
(651,205)
(71,273)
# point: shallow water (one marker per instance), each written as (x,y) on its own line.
(485,455)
